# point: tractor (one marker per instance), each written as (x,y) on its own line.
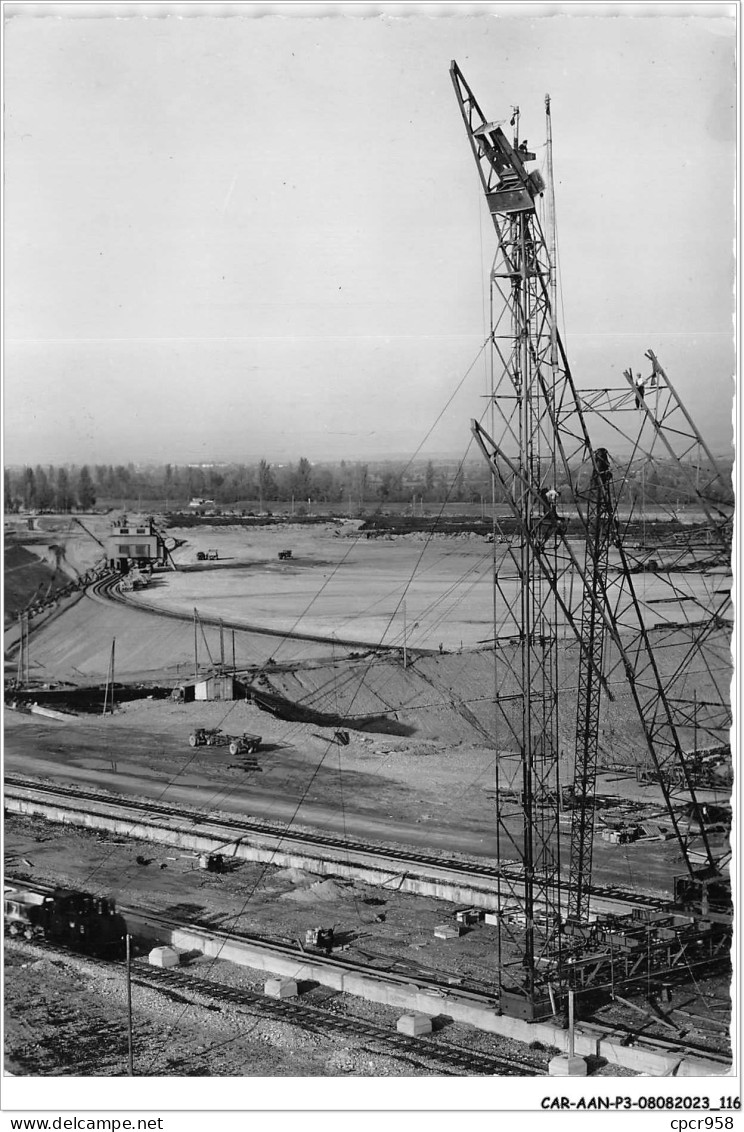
(244,744)
(215,737)
(208,737)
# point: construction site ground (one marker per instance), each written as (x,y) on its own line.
(77,1026)
(419,768)
(433,796)
(386,928)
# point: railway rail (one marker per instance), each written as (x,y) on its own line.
(318,1019)
(449,1058)
(390,856)
(466,989)
(108,589)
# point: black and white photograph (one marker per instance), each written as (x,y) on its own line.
(369,427)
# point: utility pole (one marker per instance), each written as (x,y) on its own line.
(19,674)
(129,1008)
(405,652)
(110,680)
(196,649)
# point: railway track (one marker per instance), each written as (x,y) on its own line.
(435,1054)
(107,589)
(459,1060)
(393,856)
(466,989)
(318,1020)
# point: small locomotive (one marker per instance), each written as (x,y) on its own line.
(73,919)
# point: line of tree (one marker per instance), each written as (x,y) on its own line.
(351,485)
(49,489)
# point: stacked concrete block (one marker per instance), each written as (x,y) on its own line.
(448,931)
(414,1025)
(564,1066)
(164,957)
(280,988)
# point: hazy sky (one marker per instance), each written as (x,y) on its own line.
(264,236)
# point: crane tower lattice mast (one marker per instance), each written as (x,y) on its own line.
(561,615)
(526,398)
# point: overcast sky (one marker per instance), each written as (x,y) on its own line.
(229,238)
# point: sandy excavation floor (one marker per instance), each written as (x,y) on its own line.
(423,738)
(336,585)
(341,583)
(402,790)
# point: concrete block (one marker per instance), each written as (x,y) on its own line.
(567,1067)
(468,916)
(280,988)
(448,931)
(642,1060)
(414,1025)
(164,957)
(693,1067)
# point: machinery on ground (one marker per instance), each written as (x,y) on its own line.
(322,938)
(67,917)
(137,579)
(215,737)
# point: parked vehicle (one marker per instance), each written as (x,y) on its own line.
(244,744)
(215,737)
(208,737)
(73,919)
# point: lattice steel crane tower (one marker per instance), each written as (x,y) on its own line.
(546,474)
(526,403)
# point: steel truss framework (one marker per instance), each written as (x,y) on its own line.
(688,563)
(618,957)
(599,516)
(537,443)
